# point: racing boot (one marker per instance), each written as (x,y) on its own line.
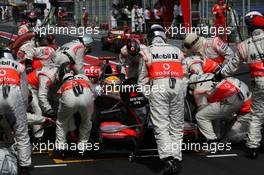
(252,153)
(58,154)
(73,136)
(23,170)
(172,166)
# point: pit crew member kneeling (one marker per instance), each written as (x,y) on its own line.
(219,100)
(251,51)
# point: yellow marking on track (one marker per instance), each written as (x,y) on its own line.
(60,161)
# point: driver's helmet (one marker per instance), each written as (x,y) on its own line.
(112,85)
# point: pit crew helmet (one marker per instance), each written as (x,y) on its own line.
(6,53)
(133,47)
(156,34)
(252,22)
(87,42)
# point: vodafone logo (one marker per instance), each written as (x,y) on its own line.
(166,66)
(2,73)
(227,86)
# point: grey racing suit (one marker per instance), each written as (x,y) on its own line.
(164,72)
(132,61)
(39,81)
(220,52)
(72,101)
(13,105)
(39,56)
(27,46)
(46,81)
(73,52)
(217,100)
(199,65)
(251,51)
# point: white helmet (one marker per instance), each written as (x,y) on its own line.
(87,40)
(193,42)
(156,33)
(6,53)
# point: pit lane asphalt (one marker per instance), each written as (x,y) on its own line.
(193,163)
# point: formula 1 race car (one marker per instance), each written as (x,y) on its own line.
(116,39)
(121,115)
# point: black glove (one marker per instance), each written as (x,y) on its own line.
(49,121)
(218,76)
(50,113)
(29,67)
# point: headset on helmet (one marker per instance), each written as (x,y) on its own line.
(156,31)
(133,47)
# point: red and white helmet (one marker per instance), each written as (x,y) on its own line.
(254,20)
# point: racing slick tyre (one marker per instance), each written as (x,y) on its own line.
(117,45)
(105,44)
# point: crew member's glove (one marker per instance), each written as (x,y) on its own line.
(29,67)
(49,121)
(50,113)
(217,76)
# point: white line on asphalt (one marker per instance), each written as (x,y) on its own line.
(50,166)
(147,156)
(222,155)
(96,39)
